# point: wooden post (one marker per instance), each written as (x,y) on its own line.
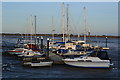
(47,55)
(106,42)
(41,44)
(89,38)
(37,39)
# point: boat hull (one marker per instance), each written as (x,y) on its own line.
(88,64)
(14,52)
(38,64)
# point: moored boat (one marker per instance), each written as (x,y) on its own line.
(39,63)
(15,51)
(94,59)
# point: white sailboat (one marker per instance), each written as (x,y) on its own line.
(30,53)
(43,62)
(86,60)
(16,50)
(35,55)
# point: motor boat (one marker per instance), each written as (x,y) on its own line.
(93,59)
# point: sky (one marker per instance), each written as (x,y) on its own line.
(101,17)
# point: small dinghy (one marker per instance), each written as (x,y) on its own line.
(38,63)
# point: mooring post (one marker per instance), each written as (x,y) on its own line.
(106,42)
(89,38)
(41,44)
(37,39)
(47,56)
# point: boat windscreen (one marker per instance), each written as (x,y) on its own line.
(101,54)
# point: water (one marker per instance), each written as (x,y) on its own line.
(15,69)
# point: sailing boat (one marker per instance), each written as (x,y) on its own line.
(20,46)
(35,61)
(91,59)
(33,48)
(43,62)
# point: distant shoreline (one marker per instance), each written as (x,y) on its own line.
(59,35)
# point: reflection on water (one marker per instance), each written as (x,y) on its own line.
(13,69)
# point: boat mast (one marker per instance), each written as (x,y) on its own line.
(63,16)
(84,24)
(68,34)
(25,33)
(31,29)
(53,28)
(31,25)
(35,30)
